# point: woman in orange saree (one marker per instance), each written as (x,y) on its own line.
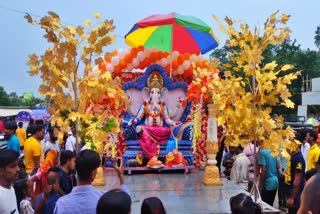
(51,160)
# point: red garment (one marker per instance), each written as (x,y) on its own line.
(50,161)
(177,160)
(151,138)
(1,126)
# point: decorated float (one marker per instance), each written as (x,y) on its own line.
(162,129)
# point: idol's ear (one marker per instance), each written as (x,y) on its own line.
(145,94)
(164,94)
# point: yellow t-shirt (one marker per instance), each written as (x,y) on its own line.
(32,148)
(22,135)
(313,156)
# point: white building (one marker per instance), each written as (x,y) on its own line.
(310,98)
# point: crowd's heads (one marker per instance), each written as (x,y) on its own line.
(23,188)
(243,204)
(52,176)
(10,128)
(87,163)
(238,149)
(38,132)
(114,202)
(312,136)
(152,205)
(299,136)
(231,149)
(31,122)
(53,133)
(68,159)
(73,129)
(9,164)
(20,124)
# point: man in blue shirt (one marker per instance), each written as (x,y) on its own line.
(84,197)
(268,184)
(68,163)
(295,178)
(13,140)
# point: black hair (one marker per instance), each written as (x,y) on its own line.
(39,122)
(20,124)
(19,187)
(114,202)
(152,205)
(86,162)
(37,128)
(313,134)
(51,129)
(31,122)
(299,137)
(7,157)
(11,125)
(243,204)
(311,173)
(65,156)
(53,169)
(240,147)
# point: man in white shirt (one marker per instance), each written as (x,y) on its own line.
(305,150)
(9,169)
(52,142)
(239,171)
(71,140)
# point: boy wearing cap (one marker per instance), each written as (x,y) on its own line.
(294,177)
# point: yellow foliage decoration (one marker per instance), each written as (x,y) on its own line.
(92,105)
(243,100)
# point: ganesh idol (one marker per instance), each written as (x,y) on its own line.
(153,132)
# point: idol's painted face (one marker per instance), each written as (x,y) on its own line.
(155,94)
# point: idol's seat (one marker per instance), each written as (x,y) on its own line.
(183,134)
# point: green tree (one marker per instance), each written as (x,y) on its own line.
(4,98)
(317,38)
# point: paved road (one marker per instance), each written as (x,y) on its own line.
(181,194)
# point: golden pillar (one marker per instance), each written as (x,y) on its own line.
(212,174)
(99,180)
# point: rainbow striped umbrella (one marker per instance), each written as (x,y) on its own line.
(173,32)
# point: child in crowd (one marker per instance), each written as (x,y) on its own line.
(115,201)
(152,205)
(243,204)
(24,193)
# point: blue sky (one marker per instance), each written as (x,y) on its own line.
(18,38)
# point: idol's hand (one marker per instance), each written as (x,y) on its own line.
(132,121)
(176,124)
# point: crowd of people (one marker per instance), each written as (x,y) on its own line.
(294,180)
(57,179)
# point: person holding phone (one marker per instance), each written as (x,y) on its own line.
(46,201)
(84,197)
